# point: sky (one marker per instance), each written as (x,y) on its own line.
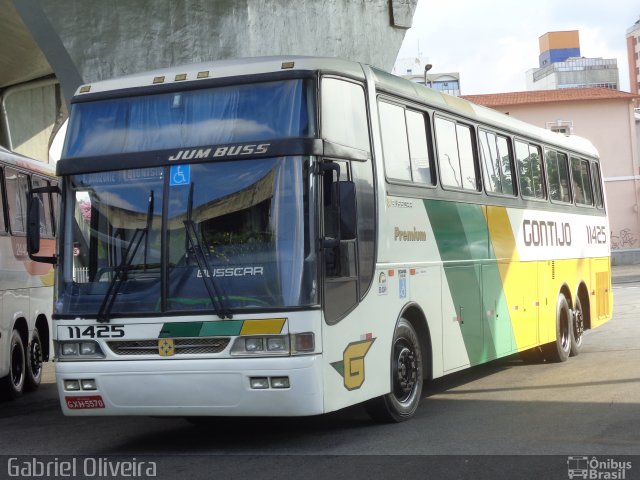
(492,43)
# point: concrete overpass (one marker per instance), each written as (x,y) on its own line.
(49,47)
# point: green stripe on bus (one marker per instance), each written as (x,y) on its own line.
(473,278)
(180,329)
(225,328)
(201,329)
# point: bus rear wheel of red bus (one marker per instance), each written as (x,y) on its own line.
(406,378)
(12,385)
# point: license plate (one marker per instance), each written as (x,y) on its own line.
(76,403)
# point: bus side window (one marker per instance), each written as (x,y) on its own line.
(17,184)
(597,185)
(344,114)
(395,144)
(558,175)
(582,181)
(498,163)
(404,144)
(455,154)
(421,170)
(46,226)
(530,169)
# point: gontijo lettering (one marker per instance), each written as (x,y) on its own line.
(540,233)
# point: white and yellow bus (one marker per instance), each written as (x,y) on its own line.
(25,285)
(291,236)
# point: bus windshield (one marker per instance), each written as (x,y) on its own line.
(200,237)
(207,116)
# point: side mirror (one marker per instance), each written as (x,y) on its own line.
(33,223)
(339,207)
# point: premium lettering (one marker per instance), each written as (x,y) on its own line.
(410,235)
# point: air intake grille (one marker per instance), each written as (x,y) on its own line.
(183,346)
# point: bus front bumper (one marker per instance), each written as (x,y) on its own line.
(211,387)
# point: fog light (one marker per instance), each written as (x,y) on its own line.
(276,344)
(253,344)
(71,385)
(88,348)
(259,383)
(69,349)
(88,384)
(279,382)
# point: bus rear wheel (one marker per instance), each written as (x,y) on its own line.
(577,328)
(406,378)
(13,384)
(34,362)
(559,350)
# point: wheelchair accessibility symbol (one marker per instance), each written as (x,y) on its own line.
(180,175)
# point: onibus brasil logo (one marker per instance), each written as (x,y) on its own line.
(595,469)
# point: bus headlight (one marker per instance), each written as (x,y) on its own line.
(267,345)
(296,343)
(276,344)
(79,350)
(69,349)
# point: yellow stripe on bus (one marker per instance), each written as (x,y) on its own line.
(263,327)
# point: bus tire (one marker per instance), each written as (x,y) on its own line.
(13,384)
(559,350)
(577,328)
(34,358)
(406,378)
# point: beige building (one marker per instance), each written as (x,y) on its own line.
(606,117)
(633,53)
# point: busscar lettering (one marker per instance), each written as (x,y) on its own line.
(546,233)
(232,272)
(224,151)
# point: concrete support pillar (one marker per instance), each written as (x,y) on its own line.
(85,41)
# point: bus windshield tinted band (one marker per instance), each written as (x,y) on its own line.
(237,113)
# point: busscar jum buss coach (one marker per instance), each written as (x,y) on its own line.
(291,236)
(26,286)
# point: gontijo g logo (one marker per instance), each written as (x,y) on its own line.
(352,365)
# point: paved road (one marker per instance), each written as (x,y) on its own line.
(589,405)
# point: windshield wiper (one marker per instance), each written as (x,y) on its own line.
(120,272)
(218,300)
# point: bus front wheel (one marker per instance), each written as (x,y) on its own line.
(13,384)
(559,350)
(406,378)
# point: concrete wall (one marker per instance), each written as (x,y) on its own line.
(117,37)
(611,127)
